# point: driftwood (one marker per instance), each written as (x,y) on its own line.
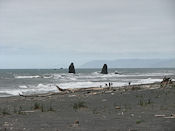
(166,81)
(38,95)
(98,90)
(60,89)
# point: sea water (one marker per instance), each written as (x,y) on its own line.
(36,81)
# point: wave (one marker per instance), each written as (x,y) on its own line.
(94,75)
(27,77)
(148,81)
(29,89)
(23,86)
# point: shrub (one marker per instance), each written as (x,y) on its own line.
(5,111)
(36,106)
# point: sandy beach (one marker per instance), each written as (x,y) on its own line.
(131,108)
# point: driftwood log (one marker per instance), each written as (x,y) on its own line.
(60,89)
(38,95)
(166,81)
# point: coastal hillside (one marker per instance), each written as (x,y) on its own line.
(132,63)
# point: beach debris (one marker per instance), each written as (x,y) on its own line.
(104,100)
(117,107)
(135,88)
(75,124)
(95,93)
(27,111)
(103,116)
(71,68)
(6,124)
(166,81)
(104,69)
(60,89)
(63,90)
(132,115)
(164,116)
(160,115)
(172,116)
(72,95)
(38,95)
(109,91)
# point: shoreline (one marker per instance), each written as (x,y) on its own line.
(137,107)
(87,88)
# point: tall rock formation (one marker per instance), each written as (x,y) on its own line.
(104,69)
(71,68)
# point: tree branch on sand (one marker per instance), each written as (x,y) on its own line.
(166,81)
(63,90)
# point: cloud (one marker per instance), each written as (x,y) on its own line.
(82,28)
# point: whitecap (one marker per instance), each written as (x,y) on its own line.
(89,84)
(26,77)
(23,86)
(148,81)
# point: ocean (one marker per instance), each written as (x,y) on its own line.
(37,81)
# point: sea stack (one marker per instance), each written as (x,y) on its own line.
(71,68)
(104,69)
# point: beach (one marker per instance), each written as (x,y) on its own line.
(87,65)
(144,107)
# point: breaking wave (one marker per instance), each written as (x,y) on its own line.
(27,77)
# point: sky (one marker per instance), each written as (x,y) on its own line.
(54,33)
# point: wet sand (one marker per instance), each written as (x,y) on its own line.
(132,108)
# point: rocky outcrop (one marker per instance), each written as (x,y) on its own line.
(104,69)
(71,68)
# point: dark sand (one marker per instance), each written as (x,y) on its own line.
(137,108)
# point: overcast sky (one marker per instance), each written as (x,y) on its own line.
(52,33)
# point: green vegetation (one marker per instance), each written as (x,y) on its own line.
(139,121)
(95,111)
(173,85)
(5,111)
(143,102)
(36,106)
(42,108)
(20,111)
(50,108)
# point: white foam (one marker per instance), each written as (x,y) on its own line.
(13,92)
(96,73)
(148,81)
(45,88)
(47,76)
(26,77)
(23,86)
(30,89)
(89,84)
(147,74)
